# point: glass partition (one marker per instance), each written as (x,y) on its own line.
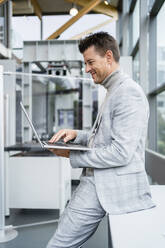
(161,47)
(161,123)
(52,103)
(136,74)
(135,25)
(2,25)
(19,24)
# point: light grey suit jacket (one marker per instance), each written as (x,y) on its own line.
(119,155)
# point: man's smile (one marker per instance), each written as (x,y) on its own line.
(93,74)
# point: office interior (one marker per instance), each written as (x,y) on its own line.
(48,75)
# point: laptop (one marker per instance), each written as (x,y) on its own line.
(58,145)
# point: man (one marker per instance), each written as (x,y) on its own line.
(114,180)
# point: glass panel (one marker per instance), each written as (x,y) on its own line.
(136,75)
(61,117)
(2,24)
(84,24)
(150,4)
(161,46)
(70,118)
(19,24)
(29,23)
(135,26)
(161,123)
(52,103)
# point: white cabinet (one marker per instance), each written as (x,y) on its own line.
(38,182)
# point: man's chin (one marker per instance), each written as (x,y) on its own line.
(96,82)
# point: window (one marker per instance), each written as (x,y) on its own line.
(70,118)
(60,117)
(161,46)
(161,123)
(160,104)
(19,24)
(2,25)
(66,118)
(135,26)
(52,23)
(136,68)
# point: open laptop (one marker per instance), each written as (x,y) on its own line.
(57,145)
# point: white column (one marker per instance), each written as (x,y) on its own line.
(7,233)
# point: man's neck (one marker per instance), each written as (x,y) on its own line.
(115,67)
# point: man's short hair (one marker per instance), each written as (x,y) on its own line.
(102,42)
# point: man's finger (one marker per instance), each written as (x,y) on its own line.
(52,139)
(57,136)
(67,138)
(60,135)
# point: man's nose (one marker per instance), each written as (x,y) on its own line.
(87,68)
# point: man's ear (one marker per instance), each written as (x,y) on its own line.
(109,56)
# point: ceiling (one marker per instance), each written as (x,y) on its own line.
(49,7)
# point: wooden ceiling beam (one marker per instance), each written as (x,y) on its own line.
(101,8)
(88,7)
(2,1)
(88,31)
(37,8)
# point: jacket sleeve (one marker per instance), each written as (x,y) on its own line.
(129,118)
(82,137)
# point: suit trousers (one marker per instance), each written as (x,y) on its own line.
(80,218)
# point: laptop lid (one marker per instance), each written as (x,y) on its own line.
(57,145)
(31,124)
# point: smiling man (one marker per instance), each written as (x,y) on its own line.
(114,180)
(100,63)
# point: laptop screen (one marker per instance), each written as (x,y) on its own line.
(31,124)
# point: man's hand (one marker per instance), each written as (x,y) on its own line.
(59,152)
(65,134)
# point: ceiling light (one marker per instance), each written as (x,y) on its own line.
(106,2)
(73,11)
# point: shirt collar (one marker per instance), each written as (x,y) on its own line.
(111,79)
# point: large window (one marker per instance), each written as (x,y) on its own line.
(145,24)
(28,27)
(2,24)
(24,28)
(135,27)
(66,117)
(136,68)
(161,123)
(52,23)
(160,81)
(161,46)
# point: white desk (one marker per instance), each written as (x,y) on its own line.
(143,229)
